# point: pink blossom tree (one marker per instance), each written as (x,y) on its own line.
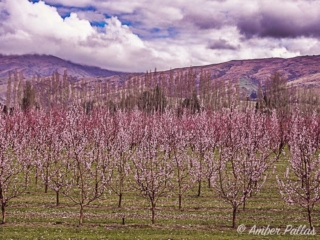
(211,153)
(122,150)
(51,151)
(203,144)
(278,129)
(176,143)
(301,182)
(88,165)
(31,128)
(244,157)
(14,137)
(153,170)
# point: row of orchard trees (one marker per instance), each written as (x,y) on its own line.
(154,92)
(80,156)
(150,92)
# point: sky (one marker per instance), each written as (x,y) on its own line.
(141,35)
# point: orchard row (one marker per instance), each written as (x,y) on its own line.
(81,156)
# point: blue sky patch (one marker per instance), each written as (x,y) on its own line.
(127,23)
(161,33)
(65,15)
(98,24)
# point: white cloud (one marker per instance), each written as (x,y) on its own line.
(38,28)
(163,34)
(92,16)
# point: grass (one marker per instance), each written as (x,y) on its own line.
(35,216)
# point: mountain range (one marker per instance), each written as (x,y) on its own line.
(46,65)
(301,71)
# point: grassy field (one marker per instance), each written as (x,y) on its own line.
(35,216)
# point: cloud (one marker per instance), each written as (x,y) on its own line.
(91,16)
(221,44)
(294,19)
(38,28)
(260,18)
(139,35)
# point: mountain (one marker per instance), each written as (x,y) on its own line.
(46,65)
(302,71)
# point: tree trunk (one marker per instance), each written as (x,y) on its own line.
(57,198)
(153,209)
(209,183)
(120,200)
(81,215)
(97,185)
(46,188)
(46,181)
(244,205)
(199,188)
(3,211)
(310,218)
(234,213)
(26,179)
(36,177)
(180,201)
